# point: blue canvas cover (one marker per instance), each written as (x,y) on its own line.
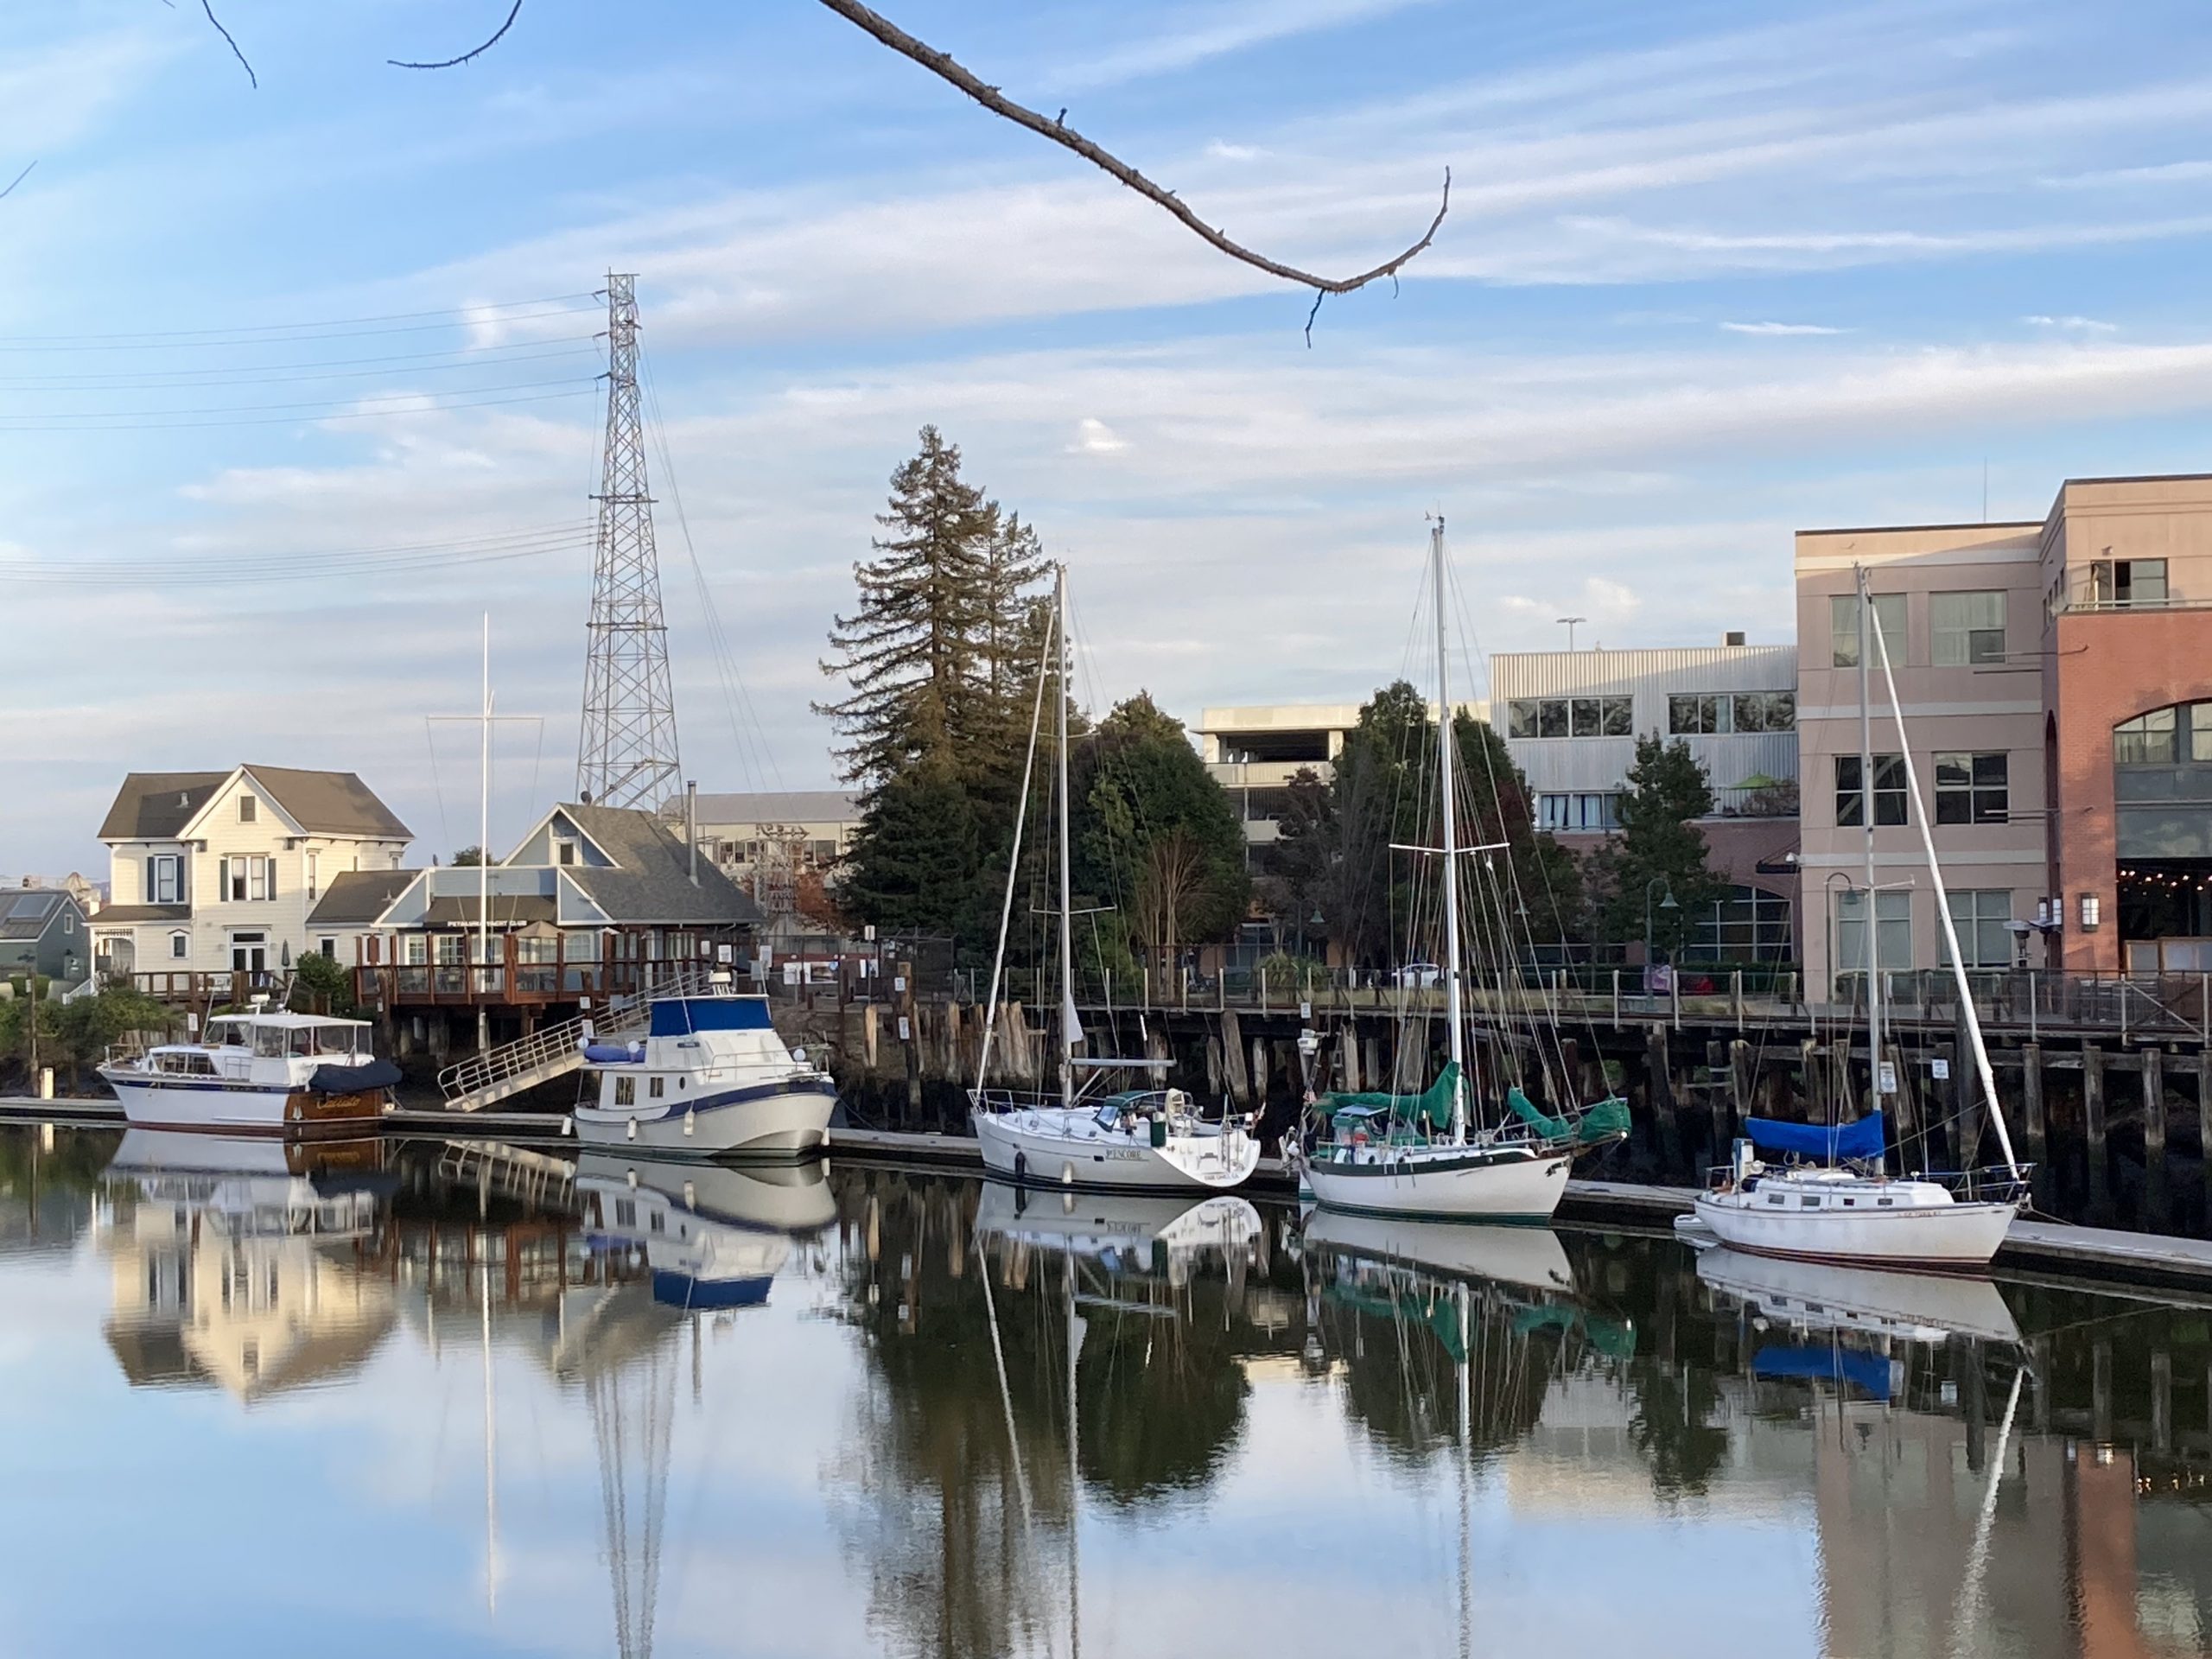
(1868,1373)
(1859,1143)
(680,1016)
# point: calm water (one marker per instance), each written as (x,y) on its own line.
(455,1400)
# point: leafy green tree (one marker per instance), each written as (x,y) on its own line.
(468,858)
(1659,848)
(81,1031)
(1159,841)
(321,985)
(1384,797)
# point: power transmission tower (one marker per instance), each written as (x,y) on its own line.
(625,753)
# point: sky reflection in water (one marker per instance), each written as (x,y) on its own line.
(459,1400)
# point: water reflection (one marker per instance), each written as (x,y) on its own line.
(550,1405)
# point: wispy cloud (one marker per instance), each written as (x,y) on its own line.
(1094,437)
(2073,325)
(1779,329)
(1230,30)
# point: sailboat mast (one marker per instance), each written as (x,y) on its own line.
(484,855)
(1068,1029)
(1868,905)
(1445,745)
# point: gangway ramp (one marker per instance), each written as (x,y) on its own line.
(553,1051)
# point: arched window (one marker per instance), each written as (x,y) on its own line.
(2162,783)
(2174,736)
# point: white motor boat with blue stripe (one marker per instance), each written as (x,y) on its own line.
(710,1078)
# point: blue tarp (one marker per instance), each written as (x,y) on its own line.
(679,1016)
(1859,1142)
(1868,1373)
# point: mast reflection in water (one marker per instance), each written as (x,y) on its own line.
(465,1399)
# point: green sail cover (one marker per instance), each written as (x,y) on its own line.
(1601,1120)
(1432,1108)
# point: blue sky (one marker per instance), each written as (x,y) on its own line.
(1711,274)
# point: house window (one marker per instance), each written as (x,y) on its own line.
(260,879)
(565,851)
(418,950)
(165,879)
(1591,811)
(179,946)
(314,876)
(1843,628)
(248,809)
(1888,791)
(1965,629)
(1893,915)
(328,947)
(625,1092)
(1972,788)
(68,921)
(1571,717)
(2122,584)
(1980,916)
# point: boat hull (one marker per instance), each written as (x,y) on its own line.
(1447,1186)
(227,1108)
(1949,1238)
(1030,1147)
(778,1119)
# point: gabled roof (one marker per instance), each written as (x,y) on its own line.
(161,805)
(358,898)
(157,805)
(652,881)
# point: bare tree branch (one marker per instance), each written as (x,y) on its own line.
(450,63)
(17,180)
(209,6)
(990,97)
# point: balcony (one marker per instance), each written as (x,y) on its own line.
(1264,774)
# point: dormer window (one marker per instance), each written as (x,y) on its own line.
(247,808)
(564,850)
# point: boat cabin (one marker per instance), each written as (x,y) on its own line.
(296,1036)
(695,1044)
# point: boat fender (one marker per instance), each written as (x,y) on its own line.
(631,1133)
(1020,1166)
(689,1116)
(1067,1174)
(1159,1133)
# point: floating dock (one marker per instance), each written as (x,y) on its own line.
(2033,1249)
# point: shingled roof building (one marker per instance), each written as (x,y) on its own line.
(213,874)
(42,931)
(587,895)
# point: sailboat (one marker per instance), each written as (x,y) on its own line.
(1845,1206)
(1383,1159)
(1139,1138)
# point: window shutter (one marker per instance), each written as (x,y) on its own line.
(149,878)
(222,878)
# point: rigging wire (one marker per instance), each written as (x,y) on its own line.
(754,745)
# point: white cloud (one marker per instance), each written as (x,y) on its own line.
(1228,30)
(1095,437)
(1222,150)
(1779,329)
(2073,325)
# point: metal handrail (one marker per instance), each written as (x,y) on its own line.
(623,1016)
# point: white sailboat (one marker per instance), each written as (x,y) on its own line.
(1845,1207)
(1513,1172)
(1142,1139)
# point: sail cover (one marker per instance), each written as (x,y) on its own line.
(1868,1373)
(1859,1142)
(1432,1107)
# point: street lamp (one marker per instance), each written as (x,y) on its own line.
(1568,622)
(1668,903)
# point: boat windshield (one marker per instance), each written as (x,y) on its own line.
(226,1033)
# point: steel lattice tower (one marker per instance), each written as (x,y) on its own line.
(625,754)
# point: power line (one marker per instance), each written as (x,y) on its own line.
(86,422)
(228,569)
(564,346)
(464,314)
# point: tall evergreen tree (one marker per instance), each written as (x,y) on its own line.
(1659,848)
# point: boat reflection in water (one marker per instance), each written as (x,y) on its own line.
(713,1235)
(1531,1257)
(1842,1301)
(1121,1231)
(237,1263)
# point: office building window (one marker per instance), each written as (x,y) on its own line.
(1893,915)
(1980,917)
(1571,717)
(1593,810)
(2122,583)
(2165,737)
(1765,711)
(1696,714)
(1888,791)
(1843,628)
(1965,629)
(1705,713)
(1748,925)
(1972,788)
